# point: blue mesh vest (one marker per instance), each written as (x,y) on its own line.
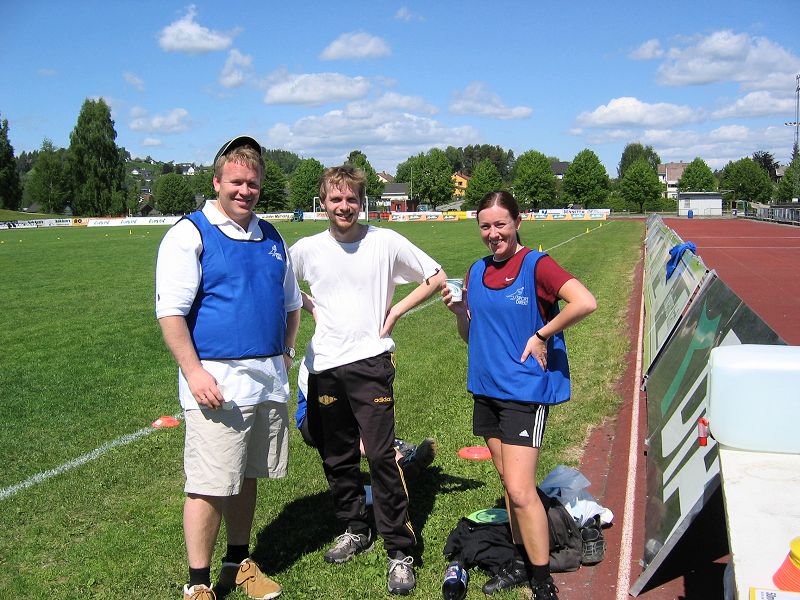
(239,308)
(502,321)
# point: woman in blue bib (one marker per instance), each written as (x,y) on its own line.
(518,367)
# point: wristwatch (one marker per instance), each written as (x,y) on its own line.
(289,351)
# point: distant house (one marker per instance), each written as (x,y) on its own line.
(396,194)
(385,177)
(669,174)
(559,168)
(460,182)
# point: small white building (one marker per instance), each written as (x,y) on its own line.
(700,204)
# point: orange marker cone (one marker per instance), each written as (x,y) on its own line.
(787,577)
(166,422)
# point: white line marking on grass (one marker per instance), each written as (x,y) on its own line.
(626,543)
(575,237)
(77,462)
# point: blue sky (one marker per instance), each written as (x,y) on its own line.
(704,78)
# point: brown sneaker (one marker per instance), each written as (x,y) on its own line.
(198,592)
(249,578)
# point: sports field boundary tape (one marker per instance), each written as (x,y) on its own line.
(626,543)
(79,461)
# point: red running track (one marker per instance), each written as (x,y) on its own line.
(758,261)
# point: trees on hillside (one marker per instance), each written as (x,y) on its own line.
(273,188)
(534,182)
(47,183)
(467,159)
(10,188)
(202,182)
(745,180)
(586,180)
(174,195)
(640,185)
(95,170)
(697,177)
(374,185)
(304,184)
(633,152)
(287,161)
(485,178)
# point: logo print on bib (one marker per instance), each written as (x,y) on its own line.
(274,252)
(517,296)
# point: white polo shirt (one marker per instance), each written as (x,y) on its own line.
(178,274)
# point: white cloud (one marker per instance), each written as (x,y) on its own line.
(757,104)
(151,142)
(403,14)
(238,68)
(632,112)
(477,99)
(730,133)
(356,45)
(754,62)
(647,51)
(314,89)
(387,136)
(135,81)
(175,121)
(44,72)
(392,101)
(187,35)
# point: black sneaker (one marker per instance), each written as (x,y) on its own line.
(544,590)
(594,546)
(510,576)
(348,545)
(400,578)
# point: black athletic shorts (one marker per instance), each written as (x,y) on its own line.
(515,423)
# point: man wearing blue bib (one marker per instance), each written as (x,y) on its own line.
(229,306)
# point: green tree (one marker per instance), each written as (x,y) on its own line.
(586,180)
(534,181)
(47,183)
(789,185)
(374,185)
(174,195)
(304,184)
(94,167)
(273,188)
(767,161)
(745,180)
(697,177)
(202,182)
(433,182)
(633,152)
(485,178)
(10,187)
(287,161)
(640,184)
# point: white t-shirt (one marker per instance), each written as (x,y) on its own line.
(353,285)
(178,273)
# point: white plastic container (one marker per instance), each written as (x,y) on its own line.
(754,397)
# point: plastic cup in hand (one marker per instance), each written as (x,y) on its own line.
(456,287)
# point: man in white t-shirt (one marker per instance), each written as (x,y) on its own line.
(352,270)
(228,305)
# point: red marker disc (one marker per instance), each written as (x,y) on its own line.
(475,453)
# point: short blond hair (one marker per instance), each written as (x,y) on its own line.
(243,155)
(348,175)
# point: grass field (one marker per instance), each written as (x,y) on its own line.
(82,364)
